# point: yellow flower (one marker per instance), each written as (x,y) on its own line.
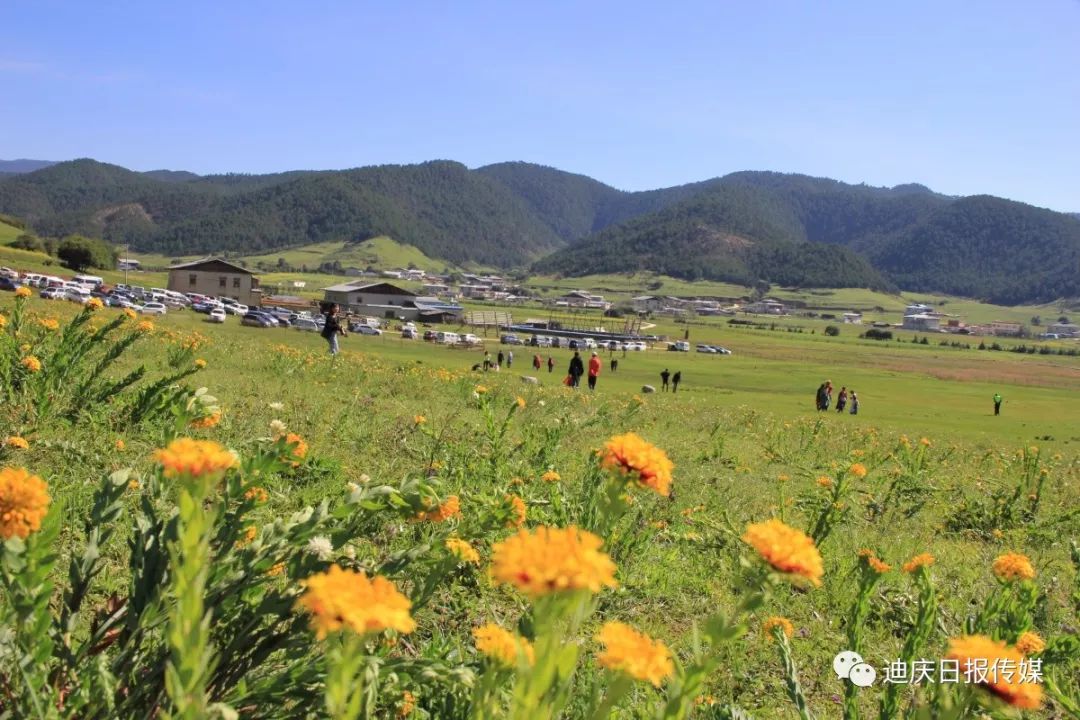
(1030,643)
(520,402)
(419,419)
(200,363)
(975,651)
(119,444)
(276,570)
(347,599)
(480,390)
(782,478)
(22,292)
(50,324)
(824,481)
(997,533)
(31,363)
(636,654)
(925,442)
(788,550)
(923,560)
(24,502)
(94,304)
(256,494)
(517,506)
(208,421)
(196,458)
(463,550)
(551,476)
(502,646)
(1013,566)
(451,508)
(858,470)
(780,622)
(3,321)
(632,458)
(16,441)
(145,327)
(548,560)
(131,314)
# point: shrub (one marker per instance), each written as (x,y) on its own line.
(832,331)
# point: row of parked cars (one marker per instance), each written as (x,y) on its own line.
(555,341)
(82,288)
(683,346)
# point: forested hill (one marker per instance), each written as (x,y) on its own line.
(983,247)
(744,227)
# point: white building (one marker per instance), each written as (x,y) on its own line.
(923,322)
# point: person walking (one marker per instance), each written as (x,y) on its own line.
(997,403)
(821,397)
(332,328)
(594,370)
(536,362)
(614,364)
(854,403)
(487,361)
(577,369)
(551,364)
(664,380)
(675,380)
(499,360)
(828,394)
(509,359)
(841,400)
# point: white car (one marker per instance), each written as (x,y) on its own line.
(470,339)
(77,294)
(217,315)
(153,308)
(306,324)
(636,346)
(236,309)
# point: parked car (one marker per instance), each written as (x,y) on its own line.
(8,284)
(366,329)
(53,293)
(722,350)
(510,339)
(153,308)
(256,320)
(430,336)
(680,346)
(706,349)
(470,339)
(236,309)
(217,315)
(305,324)
(79,294)
(635,346)
(409,334)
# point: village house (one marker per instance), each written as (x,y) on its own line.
(765,307)
(853,318)
(583,299)
(1002,328)
(922,322)
(216,277)
(386,300)
(1065,329)
(647,303)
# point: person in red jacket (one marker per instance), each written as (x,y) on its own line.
(594,370)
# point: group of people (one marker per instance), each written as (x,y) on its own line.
(845,399)
(577,369)
(497,363)
(666,377)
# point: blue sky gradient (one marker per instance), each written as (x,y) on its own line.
(965,97)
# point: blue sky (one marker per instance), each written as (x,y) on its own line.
(966,97)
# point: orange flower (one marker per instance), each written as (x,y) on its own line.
(256,494)
(824,481)
(338,599)
(408,704)
(120,444)
(923,560)
(207,421)
(451,508)
(31,363)
(551,476)
(548,560)
(248,537)
(94,304)
(24,503)
(1030,643)
(299,449)
(777,622)
(632,458)
(50,324)
(628,651)
(419,420)
(22,292)
(16,441)
(520,401)
(788,550)
(1013,566)
(276,570)
(463,550)
(200,363)
(517,505)
(979,651)
(195,458)
(131,314)
(858,470)
(502,646)
(145,327)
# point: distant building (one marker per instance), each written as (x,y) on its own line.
(217,277)
(647,303)
(765,307)
(1006,329)
(386,300)
(923,322)
(583,299)
(128,264)
(853,318)
(1064,329)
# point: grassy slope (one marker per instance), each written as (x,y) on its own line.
(8,233)
(359,414)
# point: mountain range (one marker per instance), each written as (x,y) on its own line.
(746,227)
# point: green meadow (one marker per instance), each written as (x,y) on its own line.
(393,427)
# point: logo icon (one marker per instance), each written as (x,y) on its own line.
(850,666)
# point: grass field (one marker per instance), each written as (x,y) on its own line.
(746,445)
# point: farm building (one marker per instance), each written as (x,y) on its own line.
(386,300)
(217,277)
